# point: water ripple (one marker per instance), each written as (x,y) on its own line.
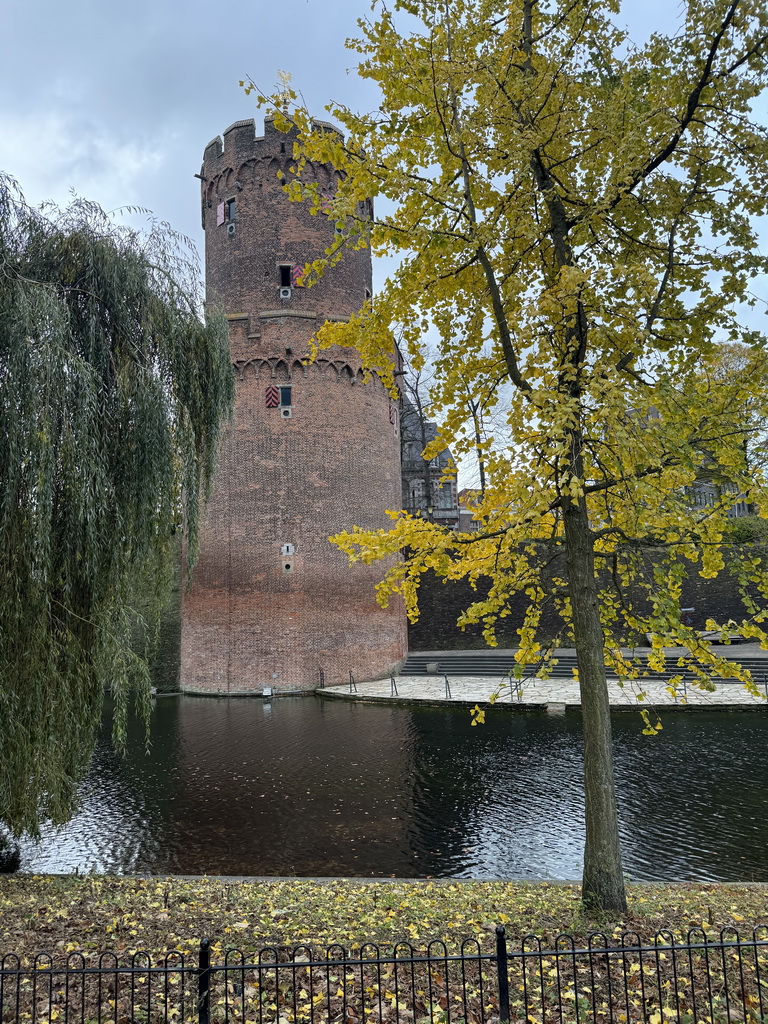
(308,787)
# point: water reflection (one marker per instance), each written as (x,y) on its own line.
(697,795)
(309,787)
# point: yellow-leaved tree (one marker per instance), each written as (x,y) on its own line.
(575,215)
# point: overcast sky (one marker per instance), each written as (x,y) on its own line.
(117,101)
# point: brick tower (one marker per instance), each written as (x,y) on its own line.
(313,449)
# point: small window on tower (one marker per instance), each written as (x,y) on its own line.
(285,397)
(229,209)
(284,274)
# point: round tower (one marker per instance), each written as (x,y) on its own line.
(313,448)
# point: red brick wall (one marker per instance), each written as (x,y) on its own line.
(247,622)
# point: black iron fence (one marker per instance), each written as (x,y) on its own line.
(618,979)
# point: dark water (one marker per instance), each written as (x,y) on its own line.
(312,787)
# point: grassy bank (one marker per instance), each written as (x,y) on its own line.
(62,915)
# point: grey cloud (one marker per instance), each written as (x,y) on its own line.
(102,97)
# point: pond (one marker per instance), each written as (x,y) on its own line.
(303,786)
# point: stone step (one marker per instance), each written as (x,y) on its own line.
(499,662)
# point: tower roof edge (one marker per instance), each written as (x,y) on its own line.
(316,123)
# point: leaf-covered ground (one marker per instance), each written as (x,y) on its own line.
(64,914)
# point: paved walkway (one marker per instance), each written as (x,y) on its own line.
(553,694)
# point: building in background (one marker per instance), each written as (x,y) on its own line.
(429,486)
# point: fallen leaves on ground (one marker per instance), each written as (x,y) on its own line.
(98,912)
(138,922)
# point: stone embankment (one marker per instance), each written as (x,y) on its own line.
(470,677)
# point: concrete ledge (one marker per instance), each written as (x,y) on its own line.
(556,695)
(275,695)
(435,702)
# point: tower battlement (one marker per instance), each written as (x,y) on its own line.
(241,141)
(257,241)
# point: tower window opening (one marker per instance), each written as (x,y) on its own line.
(284,275)
(285,397)
(229,209)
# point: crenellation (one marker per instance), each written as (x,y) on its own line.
(239,145)
(212,151)
(239,139)
(327,126)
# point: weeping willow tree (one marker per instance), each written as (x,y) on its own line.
(112,393)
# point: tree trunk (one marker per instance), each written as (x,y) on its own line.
(603,880)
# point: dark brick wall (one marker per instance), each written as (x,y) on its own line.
(247,622)
(442,603)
